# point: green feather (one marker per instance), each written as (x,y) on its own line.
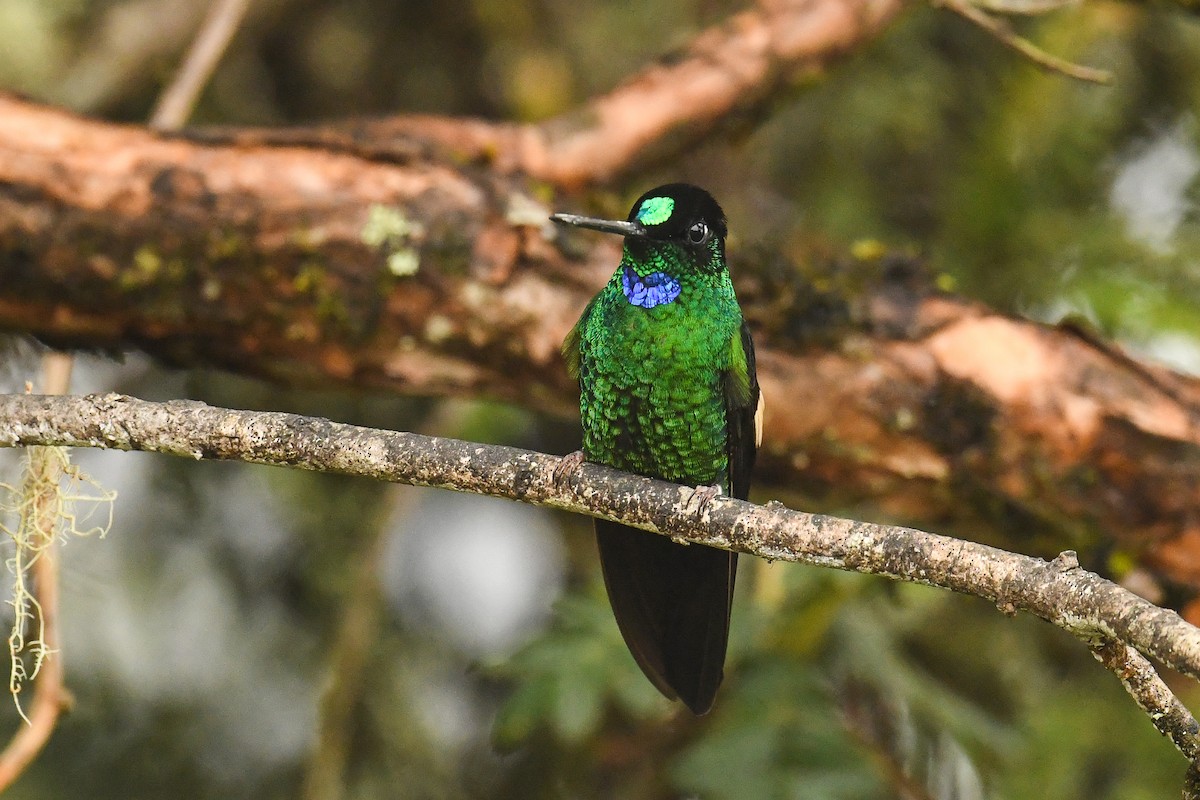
(651,379)
(667,390)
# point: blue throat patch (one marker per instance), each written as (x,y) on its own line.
(648,291)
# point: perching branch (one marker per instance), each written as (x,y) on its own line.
(1080,602)
(318,267)
(411,255)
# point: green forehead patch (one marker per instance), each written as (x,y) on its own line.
(655,210)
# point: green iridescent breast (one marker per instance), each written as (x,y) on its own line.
(651,380)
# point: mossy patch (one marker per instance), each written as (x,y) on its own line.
(388,229)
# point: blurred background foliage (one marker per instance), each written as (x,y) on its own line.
(243,629)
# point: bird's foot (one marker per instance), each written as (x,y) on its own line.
(703,496)
(568,465)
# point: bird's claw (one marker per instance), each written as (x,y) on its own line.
(703,496)
(568,465)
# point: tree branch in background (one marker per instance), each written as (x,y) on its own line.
(312,266)
(408,255)
(1080,602)
(121,48)
(366,257)
(46,472)
(1004,33)
(727,74)
(175,105)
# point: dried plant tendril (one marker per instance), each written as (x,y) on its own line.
(54,496)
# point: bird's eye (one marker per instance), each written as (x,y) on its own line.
(698,233)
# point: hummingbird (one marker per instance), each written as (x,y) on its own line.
(668,390)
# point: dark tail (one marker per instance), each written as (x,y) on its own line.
(672,604)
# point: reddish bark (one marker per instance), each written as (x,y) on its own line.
(725,74)
(284,255)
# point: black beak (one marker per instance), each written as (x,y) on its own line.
(606,225)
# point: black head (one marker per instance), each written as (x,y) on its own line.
(680,216)
(679,212)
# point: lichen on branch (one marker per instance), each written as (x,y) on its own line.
(55,498)
(1085,605)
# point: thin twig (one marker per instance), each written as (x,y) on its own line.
(1151,693)
(56,372)
(1025,8)
(177,101)
(1001,30)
